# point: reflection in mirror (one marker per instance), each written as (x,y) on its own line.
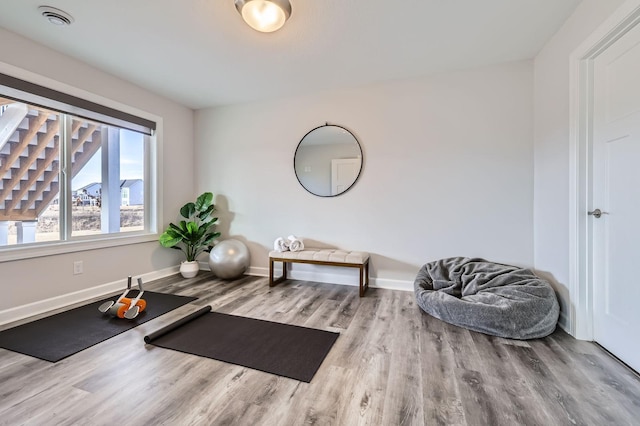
(328,160)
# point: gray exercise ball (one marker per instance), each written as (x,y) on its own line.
(229,259)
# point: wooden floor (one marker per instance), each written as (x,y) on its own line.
(391,365)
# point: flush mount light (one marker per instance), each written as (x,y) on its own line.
(55,16)
(264,15)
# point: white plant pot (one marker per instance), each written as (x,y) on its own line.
(189,269)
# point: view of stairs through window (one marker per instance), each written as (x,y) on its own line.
(101,200)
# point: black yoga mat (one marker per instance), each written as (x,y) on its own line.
(61,335)
(282,349)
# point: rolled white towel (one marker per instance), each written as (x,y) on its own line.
(295,243)
(280,244)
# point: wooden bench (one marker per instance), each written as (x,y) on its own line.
(326,257)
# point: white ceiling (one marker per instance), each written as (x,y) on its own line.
(201,54)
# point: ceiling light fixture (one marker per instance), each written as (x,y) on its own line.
(56,16)
(264,15)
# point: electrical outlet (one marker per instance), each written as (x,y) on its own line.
(77,267)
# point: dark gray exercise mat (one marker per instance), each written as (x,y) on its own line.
(282,349)
(61,335)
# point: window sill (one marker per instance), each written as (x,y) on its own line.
(21,252)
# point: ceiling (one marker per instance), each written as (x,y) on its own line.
(200,53)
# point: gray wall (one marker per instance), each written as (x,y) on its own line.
(448,170)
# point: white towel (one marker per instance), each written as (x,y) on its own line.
(280,244)
(295,243)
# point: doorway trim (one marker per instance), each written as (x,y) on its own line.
(581,87)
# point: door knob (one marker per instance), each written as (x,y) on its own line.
(596,213)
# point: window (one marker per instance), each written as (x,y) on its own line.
(71,170)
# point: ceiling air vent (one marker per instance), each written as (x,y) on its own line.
(56,16)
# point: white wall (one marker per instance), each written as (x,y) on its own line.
(448,170)
(33,280)
(551,145)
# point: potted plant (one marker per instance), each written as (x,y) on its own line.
(194,235)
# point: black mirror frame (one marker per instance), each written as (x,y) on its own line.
(359,171)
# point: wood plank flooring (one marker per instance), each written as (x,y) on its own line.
(391,365)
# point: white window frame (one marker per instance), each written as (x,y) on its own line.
(153,175)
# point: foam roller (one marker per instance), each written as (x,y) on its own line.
(140,303)
(122,309)
(116,308)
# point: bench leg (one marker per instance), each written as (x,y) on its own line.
(271,273)
(364,278)
(366,269)
(273,282)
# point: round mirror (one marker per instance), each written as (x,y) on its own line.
(328,160)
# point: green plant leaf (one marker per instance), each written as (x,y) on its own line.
(174,230)
(200,233)
(168,240)
(188,210)
(210,237)
(205,214)
(208,224)
(213,220)
(204,201)
(192,228)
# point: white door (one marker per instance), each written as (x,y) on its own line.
(344,171)
(616,192)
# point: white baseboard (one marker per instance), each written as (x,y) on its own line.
(342,279)
(392,284)
(259,272)
(42,306)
